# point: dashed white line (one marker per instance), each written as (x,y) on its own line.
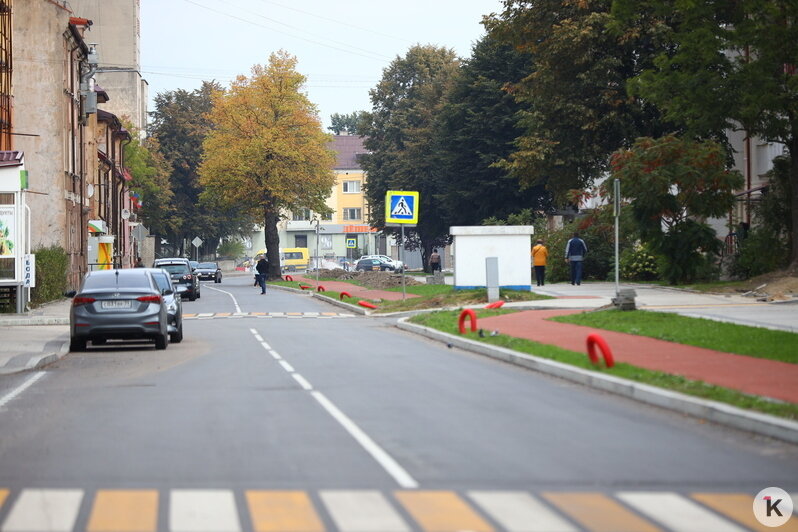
(286,366)
(275,354)
(21,388)
(302,381)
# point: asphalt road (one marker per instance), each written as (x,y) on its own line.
(318,401)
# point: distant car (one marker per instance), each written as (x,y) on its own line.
(209,271)
(118,304)
(194,264)
(367,265)
(181,272)
(397,264)
(173,300)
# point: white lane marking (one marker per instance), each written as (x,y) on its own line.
(235,301)
(517,511)
(258,337)
(362,511)
(266,346)
(677,512)
(302,381)
(275,354)
(203,511)
(390,465)
(286,366)
(21,388)
(44,511)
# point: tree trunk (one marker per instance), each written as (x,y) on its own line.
(272,241)
(793,147)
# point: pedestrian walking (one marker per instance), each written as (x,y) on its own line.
(434,260)
(139,263)
(575,251)
(539,256)
(263,270)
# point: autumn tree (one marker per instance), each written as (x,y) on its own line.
(401,137)
(727,66)
(673,185)
(150,173)
(266,152)
(576,109)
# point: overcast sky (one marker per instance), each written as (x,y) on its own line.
(342,46)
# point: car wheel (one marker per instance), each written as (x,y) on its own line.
(161,341)
(199,295)
(77,344)
(178,336)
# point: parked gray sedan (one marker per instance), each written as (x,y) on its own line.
(118,304)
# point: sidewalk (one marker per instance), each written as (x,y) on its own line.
(35,339)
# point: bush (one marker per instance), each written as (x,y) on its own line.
(761,251)
(51,275)
(638,264)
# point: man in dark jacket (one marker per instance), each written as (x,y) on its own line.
(575,251)
(263,270)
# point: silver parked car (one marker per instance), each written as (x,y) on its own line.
(172,297)
(118,304)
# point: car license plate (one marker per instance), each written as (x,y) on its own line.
(117,304)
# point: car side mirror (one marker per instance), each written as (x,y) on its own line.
(70,293)
(167,292)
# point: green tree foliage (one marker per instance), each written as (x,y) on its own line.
(266,151)
(151,173)
(401,136)
(477,128)
(346,123)
(673,184)
(576,111)
(727,65)
(51,275)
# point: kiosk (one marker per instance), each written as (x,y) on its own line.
(17,265)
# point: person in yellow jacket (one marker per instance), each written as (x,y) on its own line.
(539,255)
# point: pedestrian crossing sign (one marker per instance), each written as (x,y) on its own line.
(401,207)
(351,243)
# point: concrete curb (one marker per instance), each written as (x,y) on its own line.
(720,413)
(38,361)
(34,320)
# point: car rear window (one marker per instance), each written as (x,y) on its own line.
(163,281)
(131,279)
(175,268)
(208,265)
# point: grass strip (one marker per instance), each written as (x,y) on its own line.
(699,332)
(446,321)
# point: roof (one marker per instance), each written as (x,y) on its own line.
(11,158)
(347,149)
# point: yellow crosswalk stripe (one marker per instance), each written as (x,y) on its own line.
(598,512)
(442,511)
(124,511)
(282,511)
(3,496)
(739,506)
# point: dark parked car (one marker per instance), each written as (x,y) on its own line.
(174,305)
(368,265)
(209,271)
(118,304)
(181,273)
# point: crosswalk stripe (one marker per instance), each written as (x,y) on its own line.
(677,512)
(441,511)
(44,511)
(362,511)
(598,512)
(3,496)
(124,511)
(739,506)
(282,511)
(517,511)
(793,496)
(203,511)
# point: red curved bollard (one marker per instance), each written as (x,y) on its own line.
(461,322)
(347,294)
(594,340)
(495,304)
(366,304)
(289,278)
(304,286)
(320,288)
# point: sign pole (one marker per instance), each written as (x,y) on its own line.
(402,260)
(617,211)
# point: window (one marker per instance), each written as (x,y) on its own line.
(301,215)
(300,241)
(351,214)
(351,187)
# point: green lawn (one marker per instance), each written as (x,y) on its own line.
(727,337)
(446,321)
